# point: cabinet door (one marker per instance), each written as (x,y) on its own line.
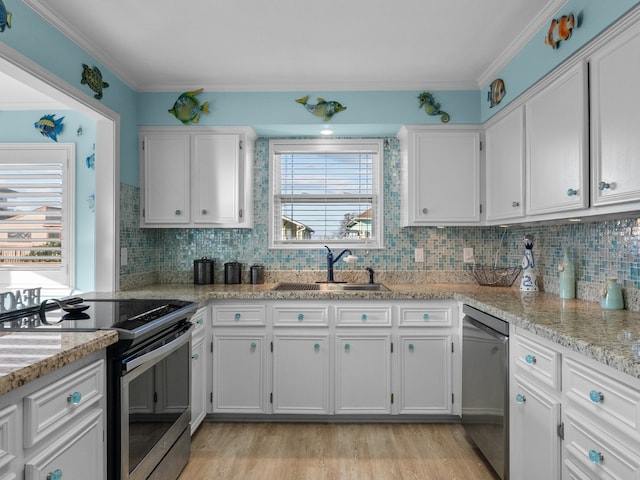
(239,373)
(425,374)
(535,444)
(557,148)
(77,455)
(363,368)
(166,178)
(217,179)
(505,167)
(198,383)
(615,123)
(443,178)
(301,374)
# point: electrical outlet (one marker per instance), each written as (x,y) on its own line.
(418,255)
(467,255)
(124,257)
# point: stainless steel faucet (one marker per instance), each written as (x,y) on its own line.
(331,261)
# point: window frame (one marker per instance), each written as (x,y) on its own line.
(319,146)
(59,277)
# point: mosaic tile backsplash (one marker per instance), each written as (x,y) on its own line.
(600,250)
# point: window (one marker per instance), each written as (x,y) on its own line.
(326,192)
(36,198)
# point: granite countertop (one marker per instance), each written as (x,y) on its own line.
(26,356)
(611,337)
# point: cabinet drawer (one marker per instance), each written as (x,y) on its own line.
(605,398)
(537,362)
(78,454)
(252,315)
(301,316)
(425,316)
(597,454)
(48,410)
(363,316)
(199,321)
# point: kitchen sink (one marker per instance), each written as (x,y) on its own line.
(331,287)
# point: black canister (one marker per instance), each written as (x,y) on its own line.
(203,271)
(257,274)
(232,272)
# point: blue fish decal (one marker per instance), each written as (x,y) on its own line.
(91,161)
(323,109)
(49,126)
(5,17)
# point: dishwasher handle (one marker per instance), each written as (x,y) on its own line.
(488,330)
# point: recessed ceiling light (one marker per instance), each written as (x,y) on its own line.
(326,131)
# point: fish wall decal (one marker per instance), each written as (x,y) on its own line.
(49,126)
(431,107)
(187,107)
(5,17)
(496,92)
(323,109)
(560,30)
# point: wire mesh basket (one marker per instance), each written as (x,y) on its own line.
(495,276)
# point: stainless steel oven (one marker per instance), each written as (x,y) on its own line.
(148,376)
(485,386)
(154,399)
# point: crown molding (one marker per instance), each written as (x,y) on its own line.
(520,41)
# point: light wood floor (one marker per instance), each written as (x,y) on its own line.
(316,451)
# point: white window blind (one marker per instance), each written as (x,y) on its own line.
(35,211)
(326,192)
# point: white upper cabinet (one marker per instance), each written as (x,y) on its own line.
(166,178)
(615,119)
(440,176)
(197,177)
(557,155)
(505,167)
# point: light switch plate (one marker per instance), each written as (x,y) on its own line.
(419,255)
(467,255)
(124,257)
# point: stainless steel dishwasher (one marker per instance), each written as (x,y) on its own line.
(485,386)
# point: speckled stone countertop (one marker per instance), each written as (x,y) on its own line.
(26,356)
(611,337)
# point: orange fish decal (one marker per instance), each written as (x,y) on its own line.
(559,30)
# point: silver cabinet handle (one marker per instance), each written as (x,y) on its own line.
(425,211)
(204,211)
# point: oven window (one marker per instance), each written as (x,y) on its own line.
(157,398)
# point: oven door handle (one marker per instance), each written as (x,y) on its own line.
(158,353)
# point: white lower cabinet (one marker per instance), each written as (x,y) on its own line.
(301,375)
(363,374)
(571,417)
(535,415)
(198,367)
(422,390)
(345,358)
(54,427)
(239,372)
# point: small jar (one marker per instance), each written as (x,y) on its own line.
(612,295)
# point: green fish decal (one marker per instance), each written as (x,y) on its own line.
(323,109)
(93,78)
(187,107)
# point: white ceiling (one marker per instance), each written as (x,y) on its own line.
(299,45)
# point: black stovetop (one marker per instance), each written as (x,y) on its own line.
(131,318)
